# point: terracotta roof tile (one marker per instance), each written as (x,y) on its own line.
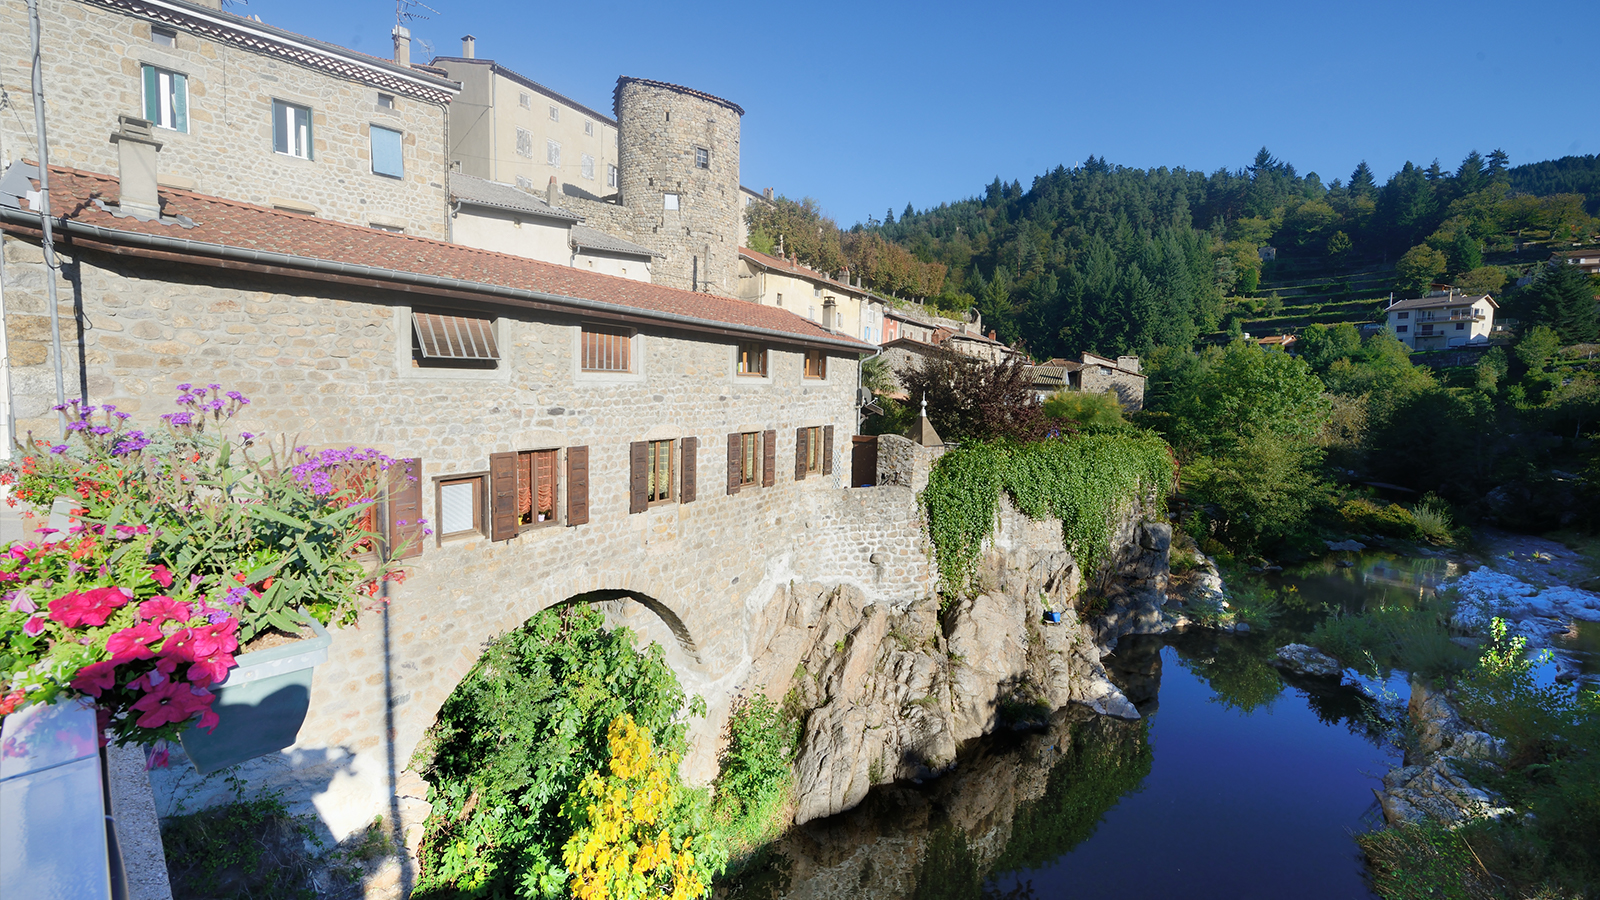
(228,223)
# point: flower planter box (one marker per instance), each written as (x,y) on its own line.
(261,705)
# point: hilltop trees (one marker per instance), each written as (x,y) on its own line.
(1562,297)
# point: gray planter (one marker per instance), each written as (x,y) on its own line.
(261,705)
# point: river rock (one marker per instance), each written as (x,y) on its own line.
(1345,546)
(1307,660)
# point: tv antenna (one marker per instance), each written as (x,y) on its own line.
(405,11)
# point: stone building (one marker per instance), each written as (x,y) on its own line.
(506,219)
(1096,374)
(563,383)
(836,303)
(242,110)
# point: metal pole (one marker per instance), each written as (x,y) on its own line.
(48,241)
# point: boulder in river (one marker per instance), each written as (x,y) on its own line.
(1305,659)
(1345,546)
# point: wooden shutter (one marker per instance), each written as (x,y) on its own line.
(769,458)
(733,463)
(502,496)
(691,449)
(827,450)
(404,505)
(578,485)
(638,476)
(800,454)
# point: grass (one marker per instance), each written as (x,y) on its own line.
(1379,641)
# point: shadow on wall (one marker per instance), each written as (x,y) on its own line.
(669,618)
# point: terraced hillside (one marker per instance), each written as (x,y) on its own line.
(1311,291)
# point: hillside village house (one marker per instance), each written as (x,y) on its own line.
(1442,319)
(1587,261)
(1095,374)
(836,304)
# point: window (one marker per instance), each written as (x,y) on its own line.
(702,158)
(816,364)
(460,505)
(163,37)
(816,290)
(524,183)
(752,359)
(749,457)
(166,98)
(780,299)
(291,129)
(1404,315)
(555,113)
(1401,329)
(552,152)
(669,201)
(658,462)
(1461,326)
(525,101)
(813,448)
(536,488)
(392,229)
(588,127)
(587,166)
(606,350)
(386,101)
(457,342)
(386,155)
(611,175)
(525,143)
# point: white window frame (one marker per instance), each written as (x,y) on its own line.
(297,139)
(670,201)
(611,175)
(525,143)
(552,151)
(588,128)
(525,100)
(555,113)
(587,167)
(172,91)
(702,158)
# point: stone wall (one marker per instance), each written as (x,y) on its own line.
(92,57)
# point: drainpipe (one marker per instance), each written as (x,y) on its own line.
(45,221)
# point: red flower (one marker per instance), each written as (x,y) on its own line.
(169,702)
(209,670)
(11,701)
(91,608)
(161,608)
(133,643)
(161,575)
(210,640)
(179,646)
(92,680)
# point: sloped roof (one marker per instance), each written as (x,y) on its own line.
(588,238)
(1440,300)
(779,264)
(526,82)
(197,228)
(482,192)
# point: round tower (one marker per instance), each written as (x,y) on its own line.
(678,172)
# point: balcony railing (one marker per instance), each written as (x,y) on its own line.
(1454,315)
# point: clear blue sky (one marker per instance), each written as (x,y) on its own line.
(867,106)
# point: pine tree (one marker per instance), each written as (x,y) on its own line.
(908,213)
(1362,183)
(1562,298)
(888,216)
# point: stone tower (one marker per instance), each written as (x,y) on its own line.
(678,166)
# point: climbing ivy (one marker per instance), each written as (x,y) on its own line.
(1085,481)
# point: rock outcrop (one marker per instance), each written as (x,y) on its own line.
(890,693)
(1429,785)
(1305,659)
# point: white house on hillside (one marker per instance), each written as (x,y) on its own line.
(1442,319)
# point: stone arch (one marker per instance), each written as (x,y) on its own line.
(674,623)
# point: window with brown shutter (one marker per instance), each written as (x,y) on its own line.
(769,458)
(403,504)
(503,496)
(606,349)
(800,454)
(827,450)
(752,359)
(690,448)
(816,364)
(638,476)
(742,460)
(659,464)
(455,342)
(536,488)
(578,485)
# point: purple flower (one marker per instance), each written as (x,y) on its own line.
(22,603)
(58,449)
(179,418)
(123,415)
(184,387)
(76,426)
(215,387)
(129,443)
(59,407)
(246,436)
(236,596)
(102,429)
(109,408)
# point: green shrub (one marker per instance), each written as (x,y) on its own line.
(1431,519)
(1378,641)
(757,775)
(1087,410)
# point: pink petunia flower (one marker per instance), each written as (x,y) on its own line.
(161,608)
(93,680)
(161,575)
(134,643)
(91,607)
(22,603)
(209,670)
(33,627)
(167,703)
(178,646)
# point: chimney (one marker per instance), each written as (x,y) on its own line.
(991,335)
(550,191)
(469,47)
(402,45)
(136,163)
(767,193)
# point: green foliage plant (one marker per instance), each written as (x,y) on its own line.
(1085,410)
(1085,481)
(517,737)
(756,777)
(248,848)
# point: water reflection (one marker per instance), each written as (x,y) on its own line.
(1356,583)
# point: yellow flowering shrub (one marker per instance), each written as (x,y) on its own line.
(623,847)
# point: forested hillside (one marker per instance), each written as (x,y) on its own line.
(1113,259)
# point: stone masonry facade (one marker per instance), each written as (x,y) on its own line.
(92,59)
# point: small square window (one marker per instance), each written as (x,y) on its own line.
(525,101)
(1405,315)
(460,505)
(1401,329)
(163,37)
(387,158)
(702,158)
(291,129)
(1461,326)
(816,364)
(606,350)
(587,166)
(166,98)
(555,113)
(525,143)
(386,101)
(552,152)
(453,342)
(752,359)
(669,201)
(816,291)
(588,127)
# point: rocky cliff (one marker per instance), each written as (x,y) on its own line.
(890,692)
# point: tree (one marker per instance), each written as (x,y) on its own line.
(888,216)
(1362,183)
(1537,347)
(974,399)
(908,213)
(1085,410)
(1482,280)
(1262,488)
(1562,298)
(1338,245)
(1465,254)
(1418,268)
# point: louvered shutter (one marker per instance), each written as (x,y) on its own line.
(503,496)
(180,102)
(152,95)
(827,450)
(577,485)
(691,449)
(733,464)
(638,476)
(403,504)
(799,454)
(769,458)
